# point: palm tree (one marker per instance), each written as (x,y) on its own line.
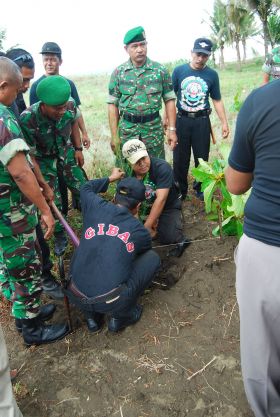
(236,13)
(263,8)
(248,30)
(2,37)
(219,27)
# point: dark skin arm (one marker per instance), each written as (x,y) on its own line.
(26,181)
(76,140)
(238,182)
(114,117)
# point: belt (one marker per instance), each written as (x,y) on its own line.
(107,298)
(140,118)
(193,115)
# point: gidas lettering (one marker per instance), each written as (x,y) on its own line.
(112,231)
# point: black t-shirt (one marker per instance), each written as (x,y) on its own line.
(34,99)
(256,149)
(160,176)
(193,87)
(111,239)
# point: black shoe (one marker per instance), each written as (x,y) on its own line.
(94,321)
(60,243)
(51,287)
(34,332)
(200,195)
(179,248)
(46,313)
(117,324)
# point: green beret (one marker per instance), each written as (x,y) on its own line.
(134,35)
(53,90)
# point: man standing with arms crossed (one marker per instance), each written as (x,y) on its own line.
(136,91)
(254,162)
(193,84)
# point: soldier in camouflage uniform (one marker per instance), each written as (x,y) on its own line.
(19,195)
(51,129)
(136,91)
(271,67)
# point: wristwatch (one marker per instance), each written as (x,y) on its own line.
(171,128)
(77,148)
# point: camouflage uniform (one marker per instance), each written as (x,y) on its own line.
(139,91)
(271,68)
(19,263)
(50,144)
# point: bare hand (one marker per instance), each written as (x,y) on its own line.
(47,222)
(47,193)
(152,229)
(172,139)
(116,174)
(225,130)
(86,142)
(79,157)
(115,146)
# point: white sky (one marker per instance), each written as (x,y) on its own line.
(90,33)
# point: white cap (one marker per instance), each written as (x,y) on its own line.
(133,150)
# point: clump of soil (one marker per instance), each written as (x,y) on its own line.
(181,359)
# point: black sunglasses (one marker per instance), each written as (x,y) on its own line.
(24,58)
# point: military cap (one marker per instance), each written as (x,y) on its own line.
(134,35)
(53,90)
(131,188)
(202,45)
(51,48)
(133,150)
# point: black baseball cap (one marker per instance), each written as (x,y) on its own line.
(202,45)
(132,189)
(51,48)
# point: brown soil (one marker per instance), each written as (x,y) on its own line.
(151,368)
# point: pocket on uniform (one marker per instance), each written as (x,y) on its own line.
(154,93)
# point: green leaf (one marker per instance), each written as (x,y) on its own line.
(208,193)
(199,175)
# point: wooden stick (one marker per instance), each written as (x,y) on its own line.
(202,369)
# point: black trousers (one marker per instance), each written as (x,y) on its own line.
(193,134)
(144,268)
(170,224)
(45,250)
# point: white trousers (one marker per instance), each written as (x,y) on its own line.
(8,405)
(258,295)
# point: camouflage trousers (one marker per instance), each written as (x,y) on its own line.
(20,272)
(73,175)
(151,133)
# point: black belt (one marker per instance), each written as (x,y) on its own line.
(107,298)
(140,118)
(193,115)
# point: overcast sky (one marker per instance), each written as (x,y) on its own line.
(90,33)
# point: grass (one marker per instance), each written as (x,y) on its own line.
(93,92)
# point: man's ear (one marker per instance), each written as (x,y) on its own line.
(3,84)
(125,48)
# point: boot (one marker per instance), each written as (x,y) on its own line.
(94,322)
(116,324)
(46,313)
(60,243)
(51,287)
(179,249)
(34,332)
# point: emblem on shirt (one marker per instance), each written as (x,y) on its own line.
(193,94)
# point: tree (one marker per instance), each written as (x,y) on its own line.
(274,29)
(263,8)
(248,30)
(236,13)
(2,38)
(218,25)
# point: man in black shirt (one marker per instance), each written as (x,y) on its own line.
(162,209)
(254,162)
(114,262)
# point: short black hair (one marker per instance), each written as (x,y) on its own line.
(129,203)
(21,57)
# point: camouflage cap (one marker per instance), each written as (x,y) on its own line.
(53,90)
(134,35)
(133,150)
(51,48)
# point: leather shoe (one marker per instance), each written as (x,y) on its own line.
(34,332)
(60,243)
(179,248)
(51,287)
(46,313)
(94,322)
(117,324)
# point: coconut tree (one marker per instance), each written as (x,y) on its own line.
(2,38)
(274,29)
(263,9)
(236,13)
(249,29)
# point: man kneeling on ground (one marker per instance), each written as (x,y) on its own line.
(114,262)
(161,211)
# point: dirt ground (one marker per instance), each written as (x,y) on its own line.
(181,359)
